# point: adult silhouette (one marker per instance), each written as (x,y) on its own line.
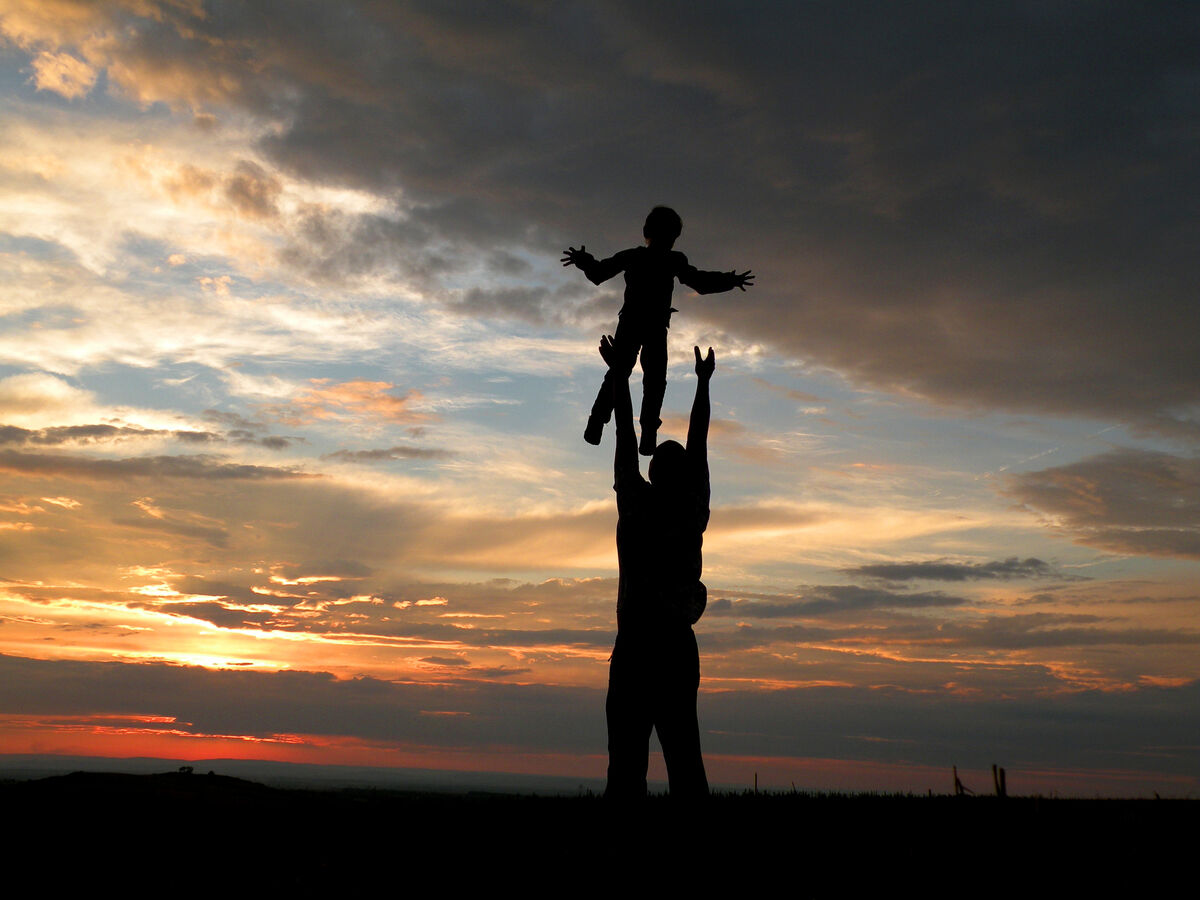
(654,674)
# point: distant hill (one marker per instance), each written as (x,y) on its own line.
(285,774)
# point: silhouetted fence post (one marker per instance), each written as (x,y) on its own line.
(999,781)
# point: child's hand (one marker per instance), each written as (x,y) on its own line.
(573,257)
(705,366)
(743,281)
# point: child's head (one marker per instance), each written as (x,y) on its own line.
(662,227)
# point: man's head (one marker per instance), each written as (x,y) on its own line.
(668,466)
(662,227)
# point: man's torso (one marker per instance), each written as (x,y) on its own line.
(659,550)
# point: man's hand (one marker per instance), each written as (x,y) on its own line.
(705,366)
(743,281)
(611,355)
(580,257)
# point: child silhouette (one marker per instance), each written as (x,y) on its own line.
(650,274)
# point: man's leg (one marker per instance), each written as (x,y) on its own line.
(675,716)
(627,709)
(654,386)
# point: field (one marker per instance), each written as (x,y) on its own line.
(219,831)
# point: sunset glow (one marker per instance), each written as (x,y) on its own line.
(293,386)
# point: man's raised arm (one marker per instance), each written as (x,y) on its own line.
(625,459)
(697,438)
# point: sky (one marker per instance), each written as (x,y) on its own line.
(293,384)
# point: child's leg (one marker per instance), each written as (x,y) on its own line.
(654,385)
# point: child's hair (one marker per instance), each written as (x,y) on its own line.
(663,224)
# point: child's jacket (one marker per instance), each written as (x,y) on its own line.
(649,279)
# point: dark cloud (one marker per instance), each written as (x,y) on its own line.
(562,305)
(981,204)
(341,568)
(226,590)
(253,191)
(1059,630)
(249,431)
(505,263)
(387,454)
(1075,729)
(198,466)
(234,421)
(1033,632)
(92,434)
(217,613)
(949,571)
(1139,502)
(1078,729)
(824,600)
(498,671)
(317,703)
(216,537)
(446,661)
(329,245)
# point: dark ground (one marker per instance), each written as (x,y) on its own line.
(213,831)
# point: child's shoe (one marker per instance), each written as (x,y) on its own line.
(649,441)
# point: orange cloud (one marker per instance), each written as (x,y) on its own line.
(350,400)
(64,74)
(31,23)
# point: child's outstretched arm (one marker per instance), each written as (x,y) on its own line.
(715,282)
(597,271)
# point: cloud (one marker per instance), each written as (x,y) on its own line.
(198,467)
(64,74)
(1025,631)
(944,233)
(92,434)
(312,703)
(1137,502)
(388,454)
(253,191)
(30,23)
(533,304)
(250,190)
(958,220)
(936,206)
(950,571)
(446,661)
(1103,729)
(247,431)
(826,600)
(350,399)
(37,398)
